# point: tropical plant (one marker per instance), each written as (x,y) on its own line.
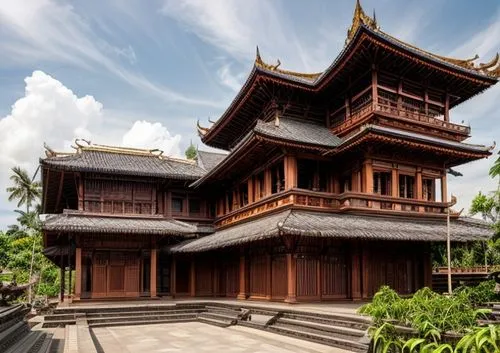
(25,189)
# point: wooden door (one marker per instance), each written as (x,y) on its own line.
(116,274)
(99,275)
(334,276)
(132,274)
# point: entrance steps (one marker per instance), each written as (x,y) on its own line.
(16,335)
(346,331)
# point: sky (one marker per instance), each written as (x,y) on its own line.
(141,73)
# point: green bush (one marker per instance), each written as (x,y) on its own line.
(481,294)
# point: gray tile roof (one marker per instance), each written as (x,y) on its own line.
(418,137)
(315,224)
(77,222)
(89,160)
(298,131)
(208,160)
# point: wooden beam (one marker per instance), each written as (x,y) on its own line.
(59,192)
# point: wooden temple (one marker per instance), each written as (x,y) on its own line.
(333,184)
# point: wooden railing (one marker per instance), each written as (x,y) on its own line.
(322,201)
(393,109)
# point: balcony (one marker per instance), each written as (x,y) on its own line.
(407,109)
(345,202)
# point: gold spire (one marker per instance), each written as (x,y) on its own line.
(360,18)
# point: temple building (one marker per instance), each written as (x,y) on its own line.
(333,184)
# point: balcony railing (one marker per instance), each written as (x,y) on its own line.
(391,108)
(345,202)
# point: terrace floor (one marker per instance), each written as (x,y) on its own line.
(199,337)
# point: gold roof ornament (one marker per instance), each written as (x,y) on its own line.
(360,18)
(202,131)
(263,65)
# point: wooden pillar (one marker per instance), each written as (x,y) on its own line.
(444,188)
(374,88)
(78,273)
(173,277)
(192,279)
(368,176)
(427,266)
(365,265)
(394,182)
(152,276)
(291,270)
(267,182)
(168,205)
(81,200)
(61,265)
(290,172)
(242,294)
(268,277)
(356,274)
(447,108)
(400,97)
(250,190)
(419,184)
(347,108)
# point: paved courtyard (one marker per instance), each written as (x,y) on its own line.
(199,337)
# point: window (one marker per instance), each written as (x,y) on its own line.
(428,189)
(177,204)
(194,206)
(345,184)
(229,198)
(305,173)
(259,186)
(243,193)
(278,178)
(406,186)
(381,183)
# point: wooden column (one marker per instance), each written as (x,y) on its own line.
(419,184)
(268,277)
(250,190)
(427,267)
(347,108)
(444,188)
(290,172)
(394,182)
(374,88)
(152,276)
(368,176)
(78,273)
(168,205)
(365,265)
(242,295)
(173,278)
(192,279)
(81,201)
(447,107)
(267,182)
(291,270)
(356,273)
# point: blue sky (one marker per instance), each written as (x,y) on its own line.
(142,72)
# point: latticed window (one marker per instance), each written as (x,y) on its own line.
(428,190)
(177,204)
(382,183)
(406,186)
(194,206)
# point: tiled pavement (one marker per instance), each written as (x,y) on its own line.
(199,337)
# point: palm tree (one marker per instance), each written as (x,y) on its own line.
(25,189)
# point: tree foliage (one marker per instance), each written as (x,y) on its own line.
(191,152)
(25,190)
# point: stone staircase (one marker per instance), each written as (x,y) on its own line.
(16,335)
(344,331)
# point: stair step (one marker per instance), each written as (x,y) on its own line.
(321,328)
(215,322)
(323,339)
(222,309)
(142,322)
(350,322)
(219,316)
(58,323)
(12,334)
(145,313)
(28,344)
(58,317)
(146,319)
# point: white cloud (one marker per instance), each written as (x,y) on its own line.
(52,113)
(229,79)
(144,134)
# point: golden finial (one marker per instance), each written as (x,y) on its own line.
(202,131)
(359,19)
